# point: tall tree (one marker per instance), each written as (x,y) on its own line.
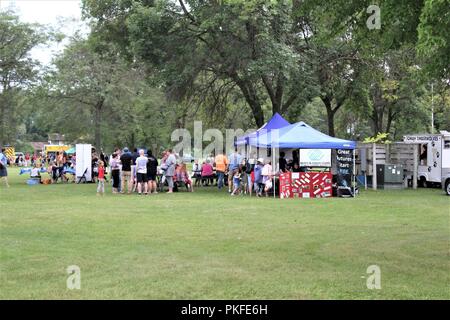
(17,69)
(255,46)
(102,99)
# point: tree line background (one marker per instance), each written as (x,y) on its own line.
(148,67)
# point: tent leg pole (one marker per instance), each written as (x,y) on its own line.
(273,166)
(354,174)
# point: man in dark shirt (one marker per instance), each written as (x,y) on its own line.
(126,159)
(282,162)
(134,155)
(152,168)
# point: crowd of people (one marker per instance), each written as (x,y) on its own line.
(241,175)
(139,171)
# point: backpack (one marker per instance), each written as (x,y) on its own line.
(249,168)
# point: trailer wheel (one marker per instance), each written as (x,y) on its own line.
(447,187)
(422,182)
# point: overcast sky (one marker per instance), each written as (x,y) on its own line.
(47,12)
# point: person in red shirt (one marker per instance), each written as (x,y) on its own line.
(27,160)
(101,179)
(207,173)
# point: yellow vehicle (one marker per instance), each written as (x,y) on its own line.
(53,149)
(10,153)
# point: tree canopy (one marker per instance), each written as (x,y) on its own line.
(150,66)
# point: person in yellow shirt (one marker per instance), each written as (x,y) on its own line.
(221,162)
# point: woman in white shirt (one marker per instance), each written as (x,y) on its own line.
(267,177)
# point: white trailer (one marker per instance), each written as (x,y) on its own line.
(434,156)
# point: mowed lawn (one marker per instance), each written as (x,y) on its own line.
(208,245)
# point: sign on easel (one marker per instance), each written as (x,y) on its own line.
(84,162)
(344,163)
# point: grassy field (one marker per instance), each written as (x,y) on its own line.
(207,245)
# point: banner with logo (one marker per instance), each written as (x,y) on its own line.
(315,157)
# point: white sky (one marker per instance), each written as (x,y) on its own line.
(48,12)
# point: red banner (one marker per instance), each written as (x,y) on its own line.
(285,185)
(306,185)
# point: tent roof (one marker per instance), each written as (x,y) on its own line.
(300,135)
(71,150)
(276,122)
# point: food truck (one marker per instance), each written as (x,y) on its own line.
(434,157)
(50,149)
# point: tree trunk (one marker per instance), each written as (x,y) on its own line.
(132,141)
(251,98)
(379,106)
(97,124)
(330,115)
(330,118)
(3,104)
(389,120)
(375,120)
(2,123)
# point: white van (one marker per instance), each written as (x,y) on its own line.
(446,182)
(434,157)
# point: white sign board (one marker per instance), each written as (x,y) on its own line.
(421,138)
(315,157)
(84,161)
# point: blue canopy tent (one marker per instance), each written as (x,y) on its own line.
(299,136)
(276,122)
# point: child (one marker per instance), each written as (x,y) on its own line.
(236,182)
(183,176)
(267,177)
(101,179)
(53,171)
(35,172)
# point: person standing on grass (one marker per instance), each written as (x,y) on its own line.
(3,170)
(258,177)
(134,156)
(249,167)
(27,159)
(282,162)
(118,152)
(152,168)
(126,159)
(243,171)
(141,173)
(234,160)
(170,163)
(267,177)
(236,182)
(101,178)
(221,162)
(115,172)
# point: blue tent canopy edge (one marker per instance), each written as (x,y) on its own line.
(276,122)
(299,136)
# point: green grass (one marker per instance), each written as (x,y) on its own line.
(207,245)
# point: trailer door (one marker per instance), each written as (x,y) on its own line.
(446,153)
